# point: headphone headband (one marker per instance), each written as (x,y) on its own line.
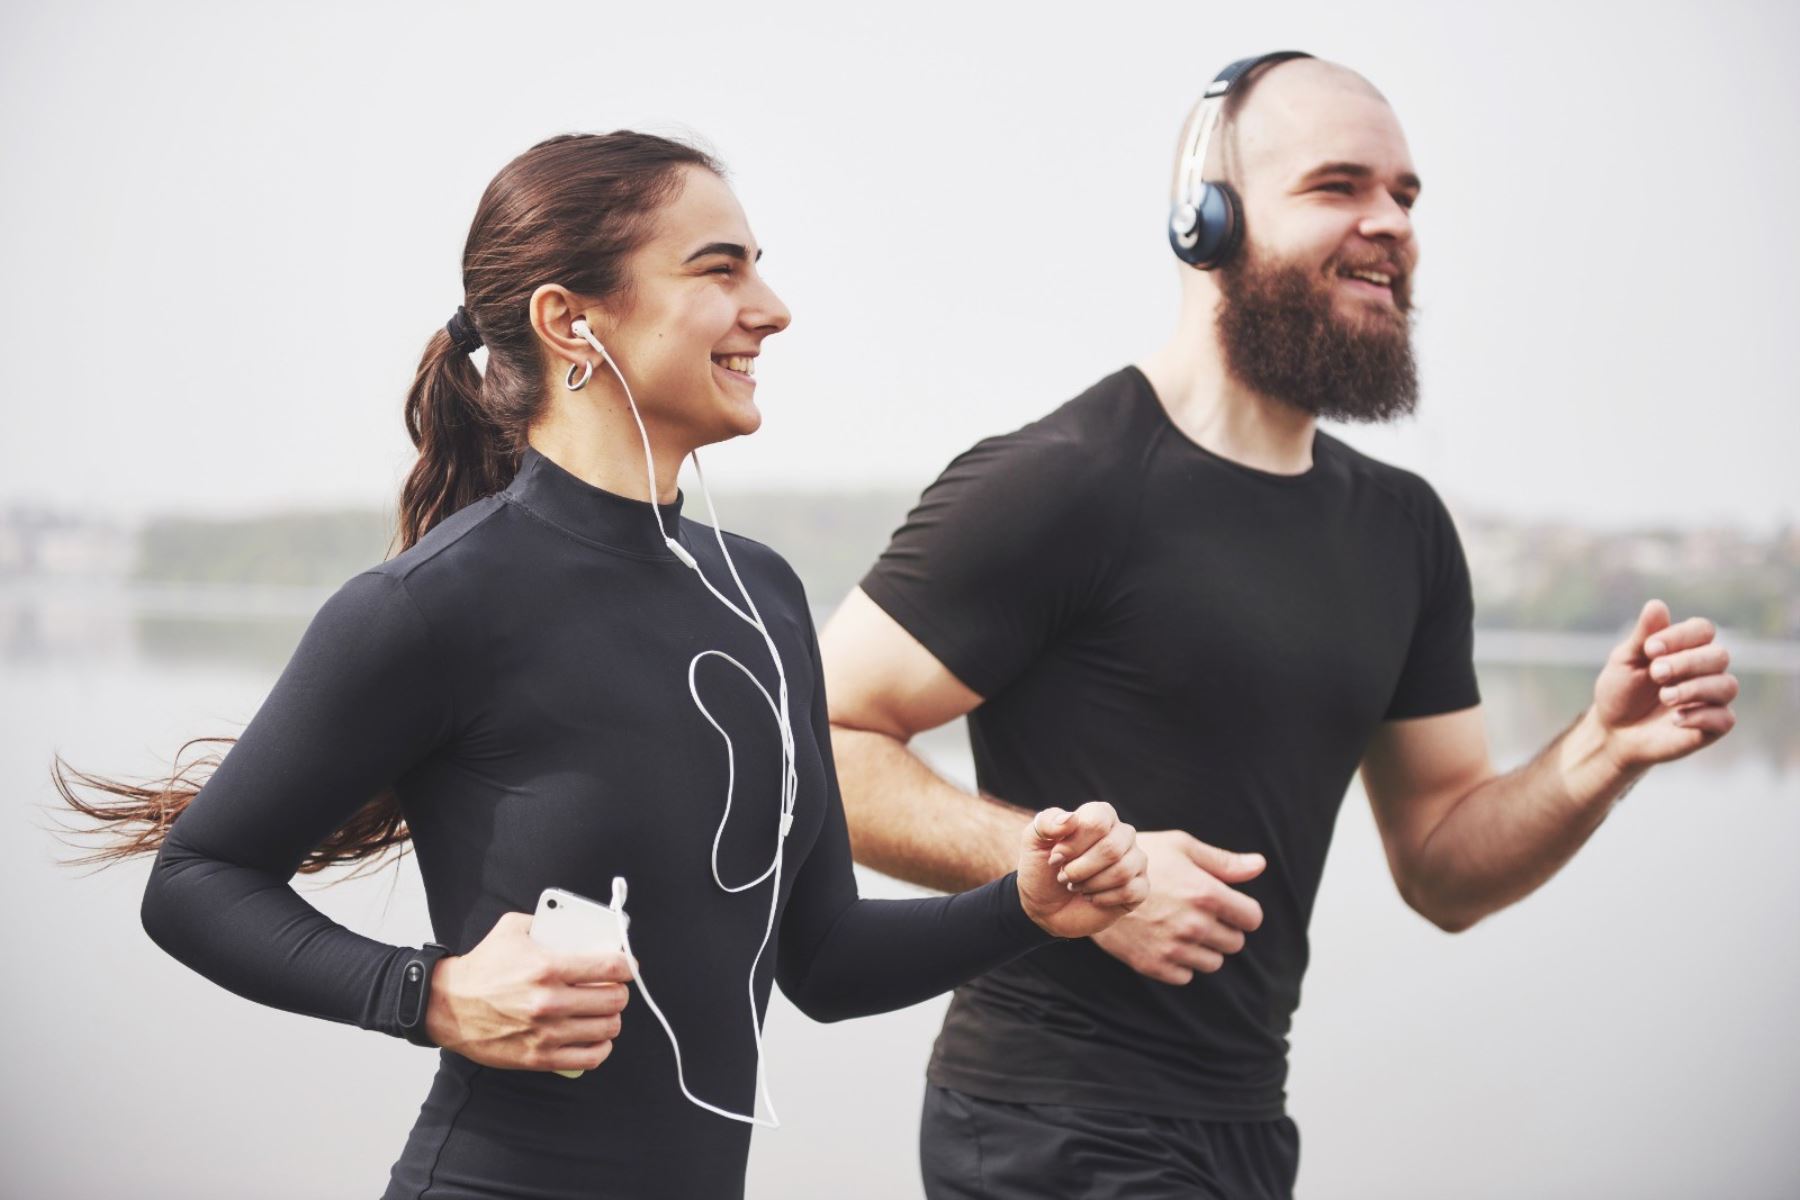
(1224,79)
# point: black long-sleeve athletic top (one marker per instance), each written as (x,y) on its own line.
(520,676)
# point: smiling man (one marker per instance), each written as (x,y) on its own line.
(1176,593)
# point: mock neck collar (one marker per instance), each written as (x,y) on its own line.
(590,513)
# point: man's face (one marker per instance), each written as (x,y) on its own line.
(1315,310)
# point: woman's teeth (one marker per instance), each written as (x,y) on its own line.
(743,364)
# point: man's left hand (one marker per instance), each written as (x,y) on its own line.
(1664,692)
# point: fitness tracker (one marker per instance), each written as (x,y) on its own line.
(415,992)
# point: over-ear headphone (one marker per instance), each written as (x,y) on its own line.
(1206,221)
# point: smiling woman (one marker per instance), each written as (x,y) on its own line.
(534,692)
(573,208)
(694,321)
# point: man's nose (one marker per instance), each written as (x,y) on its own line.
(1389,220)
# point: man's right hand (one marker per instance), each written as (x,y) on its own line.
(1192,919)
(511,1003)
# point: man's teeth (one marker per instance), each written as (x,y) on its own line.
(1379,278)
(743,364)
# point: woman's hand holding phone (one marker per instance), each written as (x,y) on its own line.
(514,1004)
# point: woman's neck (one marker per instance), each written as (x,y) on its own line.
(599,444)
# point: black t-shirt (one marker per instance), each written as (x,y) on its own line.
(520,676)
(1208,647)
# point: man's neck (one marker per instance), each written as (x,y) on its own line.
(1213,409)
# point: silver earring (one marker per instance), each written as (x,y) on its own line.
(574,384)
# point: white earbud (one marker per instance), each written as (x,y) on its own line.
(581,329)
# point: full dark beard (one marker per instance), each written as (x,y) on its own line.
(1281,337)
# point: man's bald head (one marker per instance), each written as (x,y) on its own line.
(1263,117)
(1299,82)
(1285,128)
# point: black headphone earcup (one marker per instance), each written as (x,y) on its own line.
(1221,227)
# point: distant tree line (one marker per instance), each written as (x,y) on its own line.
(1543,578)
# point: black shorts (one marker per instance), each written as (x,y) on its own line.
(975,1149)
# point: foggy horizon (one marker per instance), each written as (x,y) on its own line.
(234,228)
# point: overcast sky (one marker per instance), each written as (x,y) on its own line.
(227,230)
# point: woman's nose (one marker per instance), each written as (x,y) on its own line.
(766,312)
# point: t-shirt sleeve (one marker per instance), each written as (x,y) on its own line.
(1439,675)
(843,956)
(361,701)
(1000,555)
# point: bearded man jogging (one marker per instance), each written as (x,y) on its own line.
(1177,594)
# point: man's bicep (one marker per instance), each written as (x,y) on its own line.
(880,678)
(1416,769)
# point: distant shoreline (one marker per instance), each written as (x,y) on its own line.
(1552,648)
(1526,575)
(285,602)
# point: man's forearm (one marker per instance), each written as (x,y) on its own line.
(908,822)
(1508,836)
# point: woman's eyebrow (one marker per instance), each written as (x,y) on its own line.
(728,249)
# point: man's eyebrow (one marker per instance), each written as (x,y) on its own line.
(1357,170)
(728,249)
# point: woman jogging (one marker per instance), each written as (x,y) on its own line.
(563,681)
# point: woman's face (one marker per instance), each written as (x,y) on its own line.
(695,317)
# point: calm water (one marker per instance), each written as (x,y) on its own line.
(1627,1032)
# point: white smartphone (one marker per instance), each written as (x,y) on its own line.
(567,922)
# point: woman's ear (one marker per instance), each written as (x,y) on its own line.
(554,310)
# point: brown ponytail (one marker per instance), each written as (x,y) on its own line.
(570,210)
(463,454)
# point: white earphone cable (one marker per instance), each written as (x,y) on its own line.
(790,782)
